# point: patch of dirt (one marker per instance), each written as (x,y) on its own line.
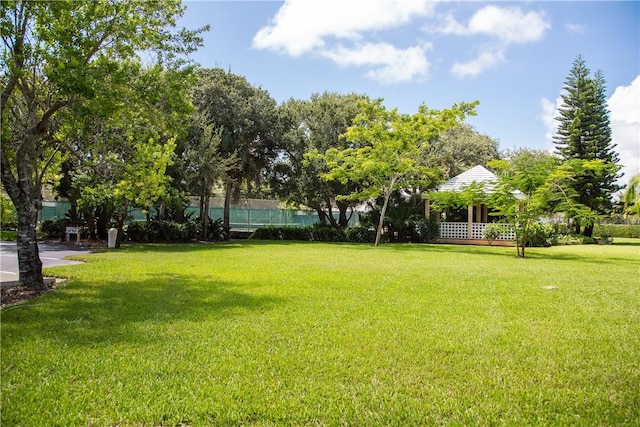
(13,295)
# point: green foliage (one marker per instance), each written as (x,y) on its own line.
(283,233)
(541,235)
(315,233)
(532,183)
(174,232)
(68,64)
(54,228)
(584,133)
(459,149)
(310,125)
(631,196)
(617,230)
(424,230)
(8,215)
(359,235)
(467,196)
(573,239)
(493,231)
(386,151)
(247,121)
(8,235)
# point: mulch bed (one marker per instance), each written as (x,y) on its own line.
(12,295)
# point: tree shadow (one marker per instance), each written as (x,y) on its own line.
(635,242)
(85,313)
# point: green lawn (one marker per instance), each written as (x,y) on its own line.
(266,333)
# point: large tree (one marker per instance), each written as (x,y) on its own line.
(247,117)
(315,124)
(203,163)
(532,183)
(461,148)
(57,54)
(386,151)
(125,153)
(584,133)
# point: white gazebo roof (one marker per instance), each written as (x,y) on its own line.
(478,174)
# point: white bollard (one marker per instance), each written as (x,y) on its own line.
(113,236)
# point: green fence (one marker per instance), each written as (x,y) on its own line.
(240,219)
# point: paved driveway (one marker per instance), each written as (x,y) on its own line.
(50,255)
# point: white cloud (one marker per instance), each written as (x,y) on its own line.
(548,117)
(301,26)
(624,105)
(575,28)
(393,65)
(507,25)
(510,25)
(322,27)
(488,58)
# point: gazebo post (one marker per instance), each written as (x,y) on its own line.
(470,222)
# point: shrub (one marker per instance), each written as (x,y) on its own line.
(173,232)
(8,215)
(493,231)
(136,232)
(541,235)
(8,235)
(267,233)
(54,228)
(574,239)
(163,232)
(424,230)
(617,230)
(216,231)
(327,233)
(360,235)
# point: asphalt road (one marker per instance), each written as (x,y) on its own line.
(50,255)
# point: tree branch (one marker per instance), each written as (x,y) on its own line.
(43,124)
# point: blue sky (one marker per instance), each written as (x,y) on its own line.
(511,56)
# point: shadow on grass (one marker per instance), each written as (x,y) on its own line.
(628,242)
(85,314)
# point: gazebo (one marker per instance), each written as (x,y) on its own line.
(467,226)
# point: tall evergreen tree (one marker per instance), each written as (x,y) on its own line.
(585,133)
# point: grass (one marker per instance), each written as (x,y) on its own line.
(265,333)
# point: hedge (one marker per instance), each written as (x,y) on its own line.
(316,233)
(617,230)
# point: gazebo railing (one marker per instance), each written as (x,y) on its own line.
(460,230)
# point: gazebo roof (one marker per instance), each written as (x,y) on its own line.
(478,174)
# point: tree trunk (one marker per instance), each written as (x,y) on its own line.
(102,224)
(343,219)
(228,187)
(588,230)
(25,195)
(383,212)
(73,211)
(121,221)
(322,216)
(381,222)
(29,263)
(330,217)
(204,216)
